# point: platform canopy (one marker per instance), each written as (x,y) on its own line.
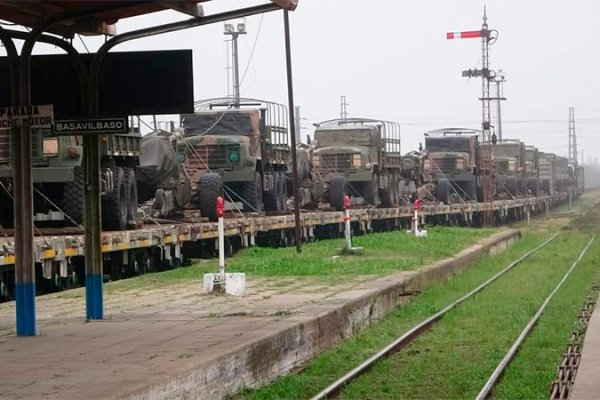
(97,17)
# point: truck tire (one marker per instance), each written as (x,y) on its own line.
(132,195)
(533,185)
(272,198)
(115,204)
(442,190)
(283,193)
(470,189)
(512,186)
(252,194)
(159,200)
(387,195)
(210,187)
(337,191)
(395,190)
(370,192)
(73,197)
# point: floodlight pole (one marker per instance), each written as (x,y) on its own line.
(288,59)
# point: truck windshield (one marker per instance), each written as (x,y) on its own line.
(435,144)
(507,150)
(341,136)
(217,123)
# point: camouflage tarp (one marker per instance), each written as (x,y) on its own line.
(158,161)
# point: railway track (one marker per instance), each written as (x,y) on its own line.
(338,386)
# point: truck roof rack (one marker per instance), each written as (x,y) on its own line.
(276,112)
(453,131)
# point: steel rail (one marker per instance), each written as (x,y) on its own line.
(419,329)
(495,377)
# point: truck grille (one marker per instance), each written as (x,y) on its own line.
(446,165)
(502,167)
(6,147)
(212,156)
(336,162)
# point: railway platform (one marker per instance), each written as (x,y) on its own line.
(174,342)
(587,384)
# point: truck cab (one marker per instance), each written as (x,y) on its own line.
(509,158)
(453,163)
(238,150)
(59,182)
(361,157)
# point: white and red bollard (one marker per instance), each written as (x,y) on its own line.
(231,283)
(348,249)
(417,206)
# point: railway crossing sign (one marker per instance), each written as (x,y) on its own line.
(93,126)
(24,116)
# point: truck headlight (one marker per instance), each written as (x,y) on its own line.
(50,147)
(512,165)
(356,160)
(316,161)
(460,163)
(234,156)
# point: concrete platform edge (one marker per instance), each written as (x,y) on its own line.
(302,337)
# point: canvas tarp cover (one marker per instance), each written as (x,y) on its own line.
(341,136)
(443,144)
(507,150)
(220,123)
(303,163)
(158,161)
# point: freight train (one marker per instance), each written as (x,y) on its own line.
(241,152)
(357,157)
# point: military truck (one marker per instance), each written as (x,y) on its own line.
(240,151)
(310,186)
(453,164)
(414,182)
(359,157)
(509,158)
(58,178)
(531,171)
(161,177)
(548,173)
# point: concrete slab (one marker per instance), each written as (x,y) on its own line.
(156,345)
(587,382)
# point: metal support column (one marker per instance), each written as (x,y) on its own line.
(288,59)
(23,204)
(94,305)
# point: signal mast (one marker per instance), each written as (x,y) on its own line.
(488,37)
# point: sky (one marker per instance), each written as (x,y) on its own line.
(392,61)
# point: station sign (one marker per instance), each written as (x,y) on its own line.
(93,126)
(26,116)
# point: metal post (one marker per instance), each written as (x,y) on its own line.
(347,231)
(288,59)
(236,71)
(23,204)
(221,228)
(93,247)
(297,123)
(498,95)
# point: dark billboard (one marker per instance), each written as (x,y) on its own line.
(131,83)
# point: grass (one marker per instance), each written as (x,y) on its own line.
(336,361)
(454,360)
(383,253)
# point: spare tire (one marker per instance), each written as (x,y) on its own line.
(209,188)
(337,191)
(442,190)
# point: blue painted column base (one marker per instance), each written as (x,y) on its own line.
(93,297)
(25,309)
